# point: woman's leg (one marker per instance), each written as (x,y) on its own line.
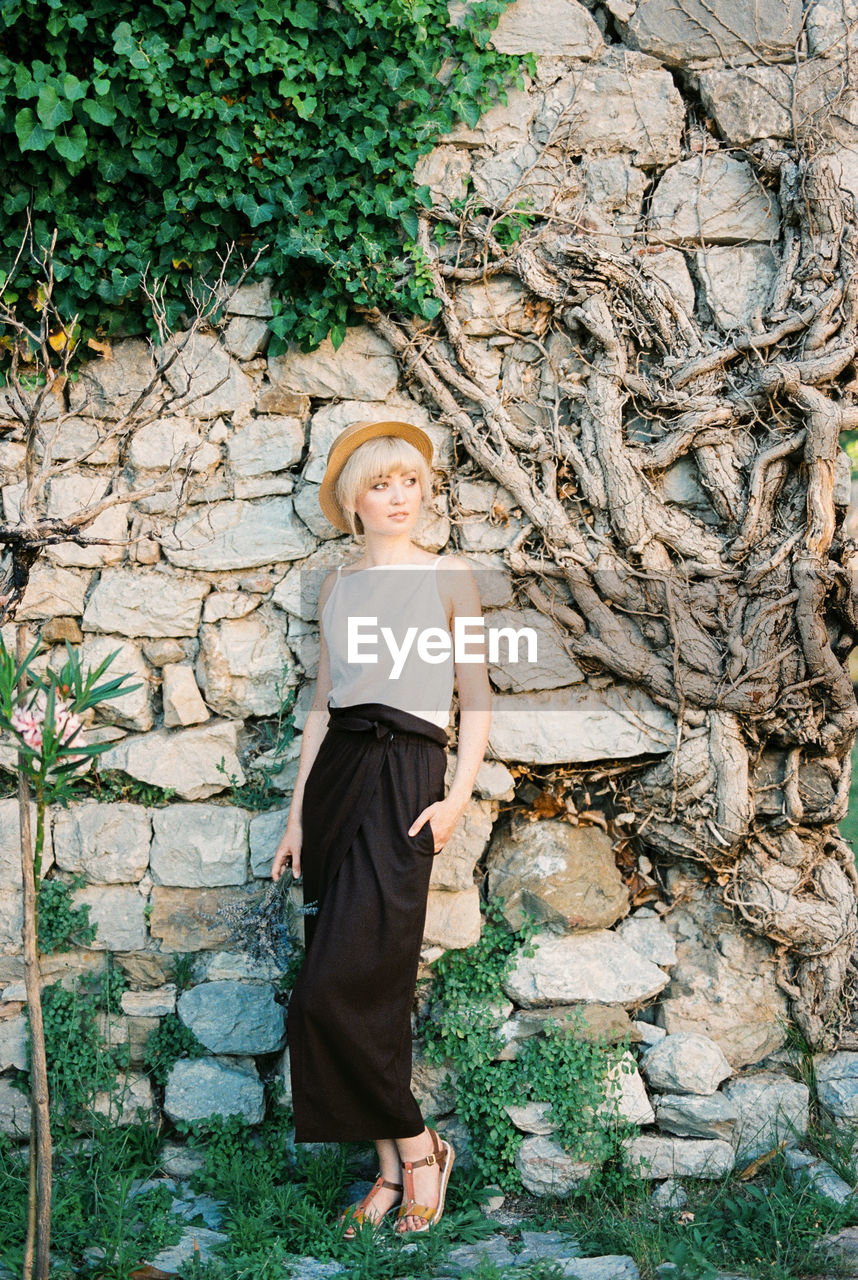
(427,1179)
(380,1199)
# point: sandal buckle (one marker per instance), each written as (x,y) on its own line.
(433,1159)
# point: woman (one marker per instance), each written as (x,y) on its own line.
(369,812)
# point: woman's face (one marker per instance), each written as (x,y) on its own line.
(392,504)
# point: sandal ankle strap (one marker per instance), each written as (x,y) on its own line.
(432,1158)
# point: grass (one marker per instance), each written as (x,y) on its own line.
(281,1202)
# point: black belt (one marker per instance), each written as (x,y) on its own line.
(384,722)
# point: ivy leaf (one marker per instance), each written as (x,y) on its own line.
(71,145)
(73,89)
(408,219)
(304,107)
(51,108)
(31,135)
(303,14)
(100,111)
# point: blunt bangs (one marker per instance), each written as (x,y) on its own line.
(369,463)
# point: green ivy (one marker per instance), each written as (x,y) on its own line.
(153,133)
(80,1061)
(170,1041)
(61,923)
(577,1076)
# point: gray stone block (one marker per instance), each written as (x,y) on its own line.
(233,1017)
(696,1115)
(595,966)
(108,843)
(195,846)
(773,1109)
(205,1087)
(685,1062)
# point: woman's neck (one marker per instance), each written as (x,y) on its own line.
(387,551)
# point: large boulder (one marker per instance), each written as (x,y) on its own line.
(712,198)
(199,845)
(837,1085)
(238,535)
(108,843)
(593,967)
(135,602)
(772,1110)
(244,665)
(700,30)
(196,763)
(562,876)
(202,1087)
(578,723)
(725,981)
(233,1017)
(685,1063)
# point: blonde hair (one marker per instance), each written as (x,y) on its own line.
(368,463)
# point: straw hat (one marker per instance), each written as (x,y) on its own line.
(344,446)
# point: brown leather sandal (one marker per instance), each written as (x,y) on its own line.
(443,1155)
(356,1215)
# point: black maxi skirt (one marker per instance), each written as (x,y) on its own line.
(349,1020)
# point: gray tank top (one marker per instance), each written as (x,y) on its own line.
(410,667)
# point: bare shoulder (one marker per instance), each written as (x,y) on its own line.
(458,587)
(459,563)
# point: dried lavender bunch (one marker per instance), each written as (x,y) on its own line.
(265,929)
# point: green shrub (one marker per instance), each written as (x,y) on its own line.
(169,1042)
(61,923)
(576,1076)
(154,133)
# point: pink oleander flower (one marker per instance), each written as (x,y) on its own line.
(29,727)
(29,721)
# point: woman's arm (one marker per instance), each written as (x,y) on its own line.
(289,848)
(474,708)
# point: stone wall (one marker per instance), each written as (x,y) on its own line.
(632,132)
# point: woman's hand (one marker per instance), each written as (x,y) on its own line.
(288,851)
(445,815)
